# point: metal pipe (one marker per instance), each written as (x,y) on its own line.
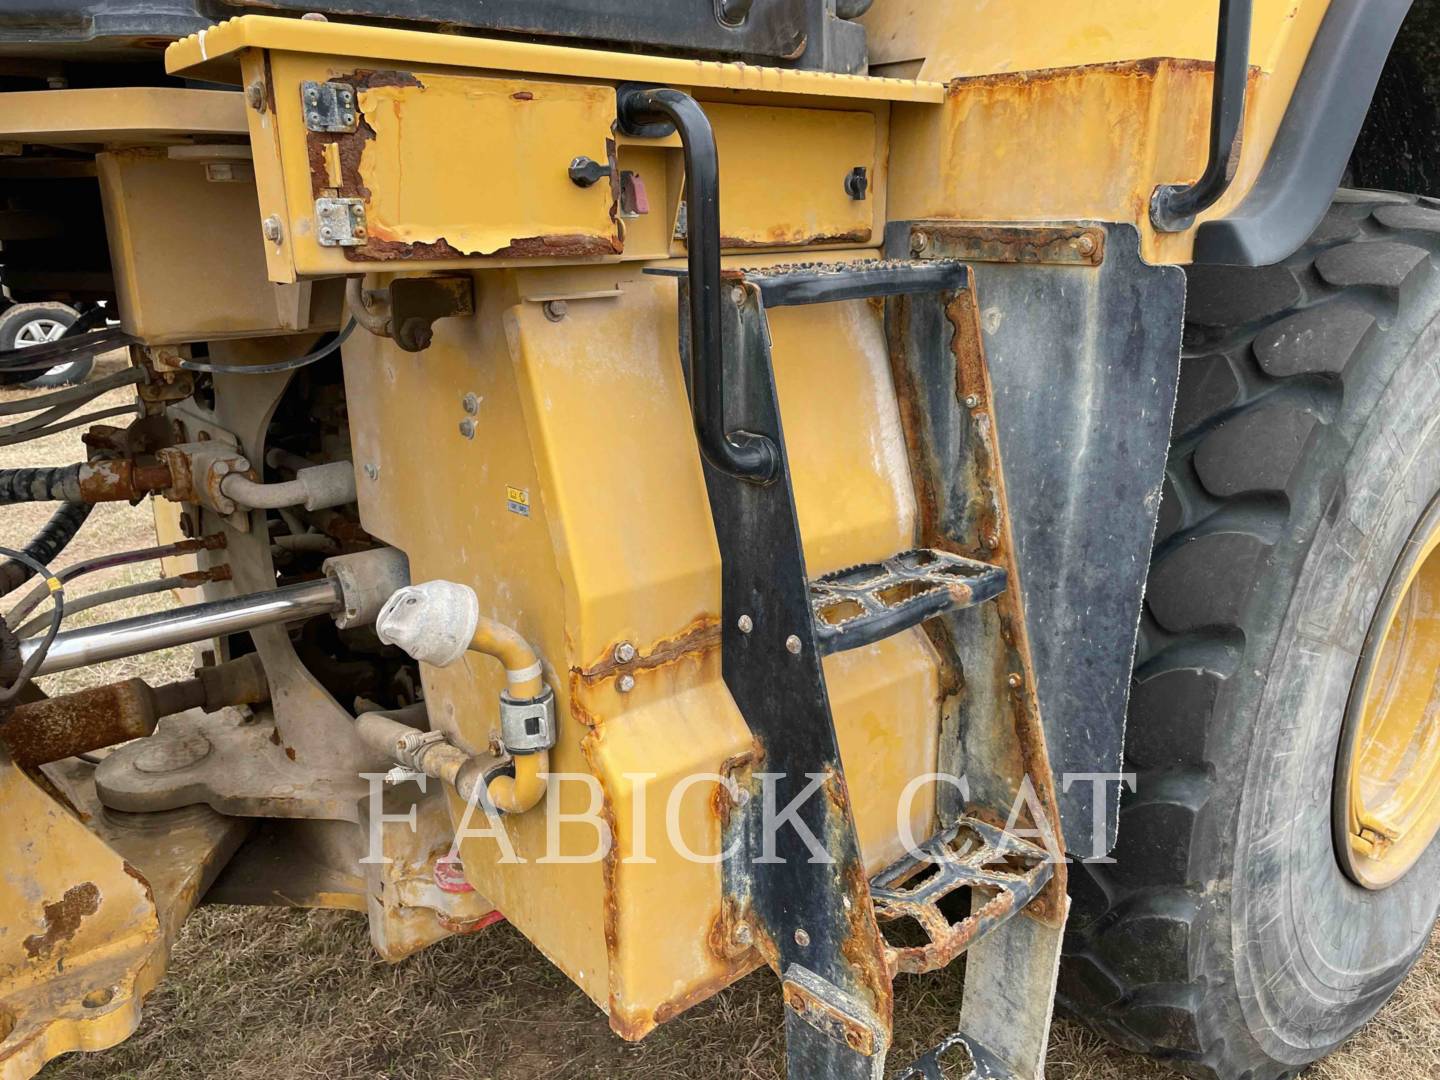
(184,626)
(60,727)
(1173,207)
(648,111)
(318,487)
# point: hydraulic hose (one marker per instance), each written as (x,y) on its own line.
(52,539)
(60,484)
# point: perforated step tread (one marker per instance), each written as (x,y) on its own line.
(958,887)
(868,603)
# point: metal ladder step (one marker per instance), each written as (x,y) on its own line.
(865,604)
(959,886)
(959,1057)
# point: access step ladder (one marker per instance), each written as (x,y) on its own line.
(822,924)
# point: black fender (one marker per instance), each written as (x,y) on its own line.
(1315,140)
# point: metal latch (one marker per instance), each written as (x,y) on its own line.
(329,106)
(340,222)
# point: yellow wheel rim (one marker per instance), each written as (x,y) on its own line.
(1387,797)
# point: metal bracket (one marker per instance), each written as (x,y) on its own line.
(527,727)
(340,222)
(1057,245)
(329,106)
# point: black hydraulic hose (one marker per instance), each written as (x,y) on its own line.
(649,111)
(1173,207)
(60,484)
(283,365)
(46,546)
(57,615)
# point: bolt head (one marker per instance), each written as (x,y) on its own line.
(792,645)
(471,404)
(745,623)
(802,938)
(743,934)
(467,428)
(372,471)
(271,228)
(737,295)
(255,96)
(624,653)
(626,684)
(972,401)
(1085,244)
(1015,680)
(555,310)
(919,242)
(992,541)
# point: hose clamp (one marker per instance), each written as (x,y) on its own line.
(414,744)
(528,727)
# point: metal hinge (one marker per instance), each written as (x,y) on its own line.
(329,106)
(340,222)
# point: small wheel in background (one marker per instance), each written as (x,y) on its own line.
(27,325)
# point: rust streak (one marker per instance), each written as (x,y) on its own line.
(781,236)
(702,635)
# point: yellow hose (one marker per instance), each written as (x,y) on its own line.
(523,791)
(522,666)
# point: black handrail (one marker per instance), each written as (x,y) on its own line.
(1173,207)
(647,111)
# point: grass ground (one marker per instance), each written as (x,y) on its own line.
(293,995)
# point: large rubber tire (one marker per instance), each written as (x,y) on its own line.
(21,320)
(1224,936)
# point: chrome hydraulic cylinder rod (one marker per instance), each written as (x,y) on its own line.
(184,626)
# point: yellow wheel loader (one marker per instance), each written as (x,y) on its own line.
(828,485)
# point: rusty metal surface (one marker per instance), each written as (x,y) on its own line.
(1079,402)
(61,727)
(348,165)
(1060,245)
(109,481)
(864,604)
(963,884)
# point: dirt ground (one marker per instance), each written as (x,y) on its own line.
(291,995)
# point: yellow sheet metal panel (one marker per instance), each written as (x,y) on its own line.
(82,934)
(663,908)
(581,517)
(451,172)
(479,166)
(849,465)
(166,221)
(446,501)
(1055,141)
(782,175)
(211,54)
(886,702)
(120,116)
(1111,135)
(958,38)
